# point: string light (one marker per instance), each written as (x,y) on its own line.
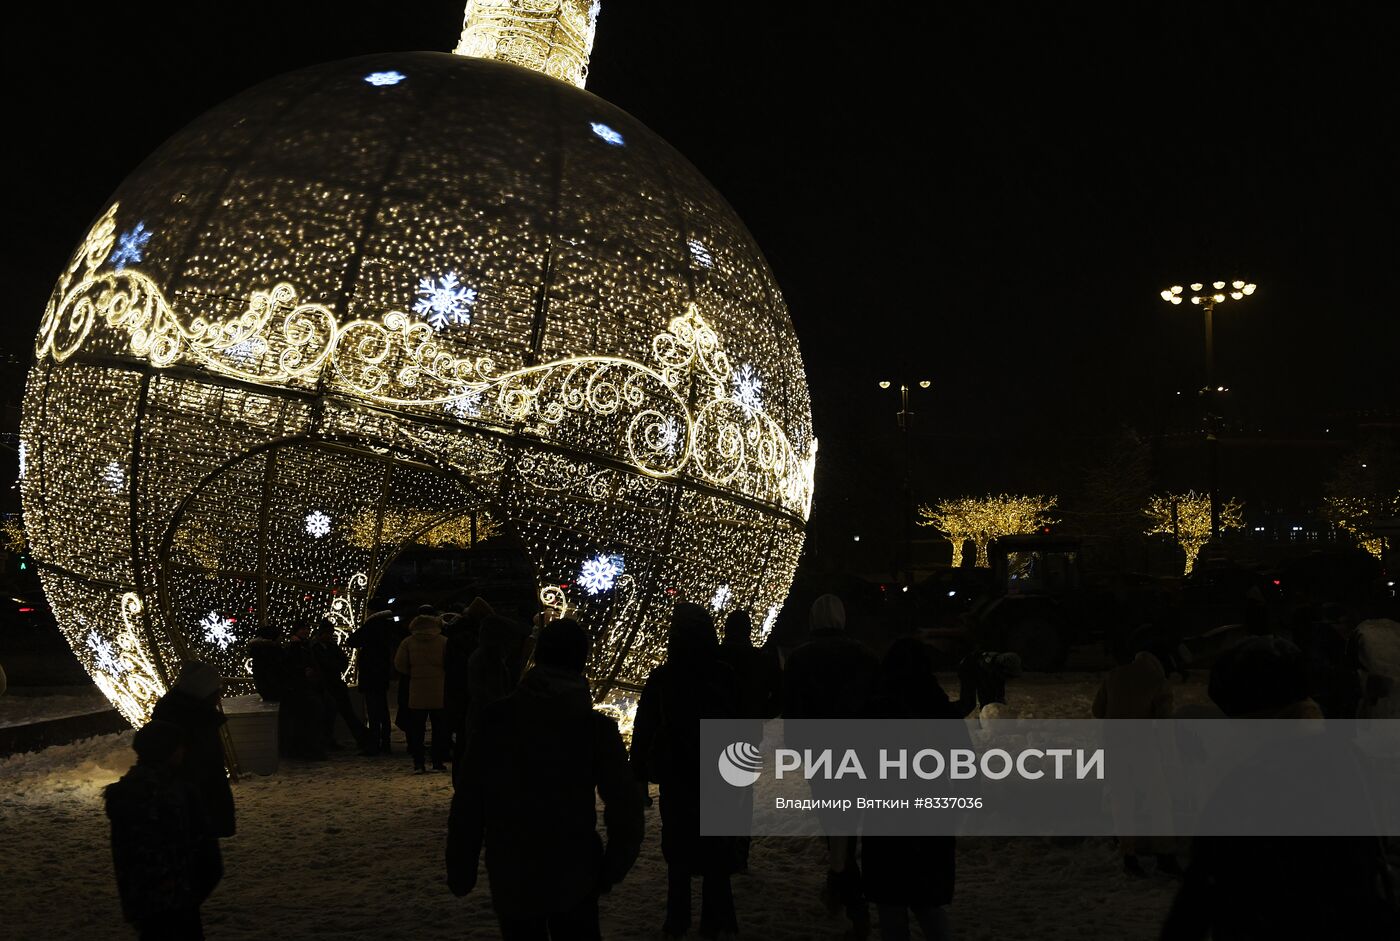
(555,38)
(218,630)
(982,519)
(700,254)
(380,79)
(131,246)
(12,530)
(608,134)
(598,574)
(286,419)
(318,524)
(1357,515)
(444,301)
(1189,525)
(114,477)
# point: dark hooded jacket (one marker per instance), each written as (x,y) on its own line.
(165,855)
(269,667)
(527,792)
(691,685)
(758,677)
(376,640)
(463,636)
(494,666)
(203,767)
(911,871)
(331,663)
(830,676)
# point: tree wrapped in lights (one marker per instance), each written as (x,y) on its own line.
(361,303)
(982,519)
(1356,515)
(1186,518)
(1363,491)
(12,532)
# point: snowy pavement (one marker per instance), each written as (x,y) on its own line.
(352,848)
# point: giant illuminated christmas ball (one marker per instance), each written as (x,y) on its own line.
(365,299)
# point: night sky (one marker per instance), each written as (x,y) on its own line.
(990,199)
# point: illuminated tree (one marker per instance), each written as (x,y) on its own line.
(460,533)
(1365,489)
(1189,525)
(982,519)
(12,534)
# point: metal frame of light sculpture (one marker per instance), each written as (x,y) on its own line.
(609,393)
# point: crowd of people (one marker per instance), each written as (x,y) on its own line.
(511,710)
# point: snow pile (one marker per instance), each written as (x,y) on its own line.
(17,708)
(74,772)
(1380,655)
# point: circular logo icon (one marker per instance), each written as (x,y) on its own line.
(740,764)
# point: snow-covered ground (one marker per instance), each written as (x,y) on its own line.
(17,707)
(352,848)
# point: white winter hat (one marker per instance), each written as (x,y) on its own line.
(198,679)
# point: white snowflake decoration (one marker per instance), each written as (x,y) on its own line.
(466,405)
(218,630)
(114,476)
(669,435)
(608,134)
(769,621)
(444,301)
(104,655)
(748,389)
(318,524)
(131,246)
(701,254)
(721,598)
(599,573)
(385,78)
(245,351)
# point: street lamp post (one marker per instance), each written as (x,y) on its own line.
(1207,299)
(905,419)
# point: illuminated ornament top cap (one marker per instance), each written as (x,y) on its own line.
(550,36)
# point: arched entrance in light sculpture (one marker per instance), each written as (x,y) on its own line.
(371,290)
